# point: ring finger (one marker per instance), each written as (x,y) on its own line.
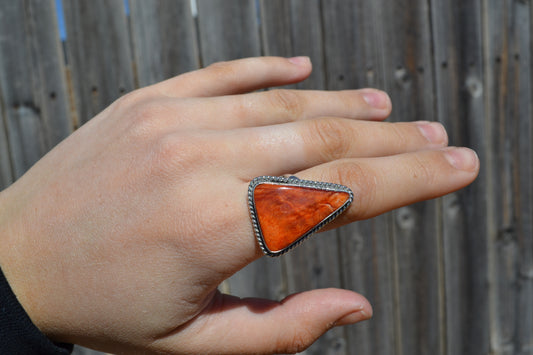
(385,183)
(379,185)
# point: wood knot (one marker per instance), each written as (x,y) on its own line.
(402,76)
(474,87)
(406,218)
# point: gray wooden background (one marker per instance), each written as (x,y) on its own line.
(450,276)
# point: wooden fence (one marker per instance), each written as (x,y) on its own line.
(450,276)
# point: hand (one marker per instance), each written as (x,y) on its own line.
(118,238)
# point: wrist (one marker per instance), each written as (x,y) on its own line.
(13,255)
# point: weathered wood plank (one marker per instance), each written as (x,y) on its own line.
(6,175)
(525,185)
(228,30)
(99,53)
(520,14)
(418,285)
(509,108)
(293,28)
(164,39)
(367,262)
(351,47)
(458,66)
(407,63)
(32,84)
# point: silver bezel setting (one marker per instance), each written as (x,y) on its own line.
(293,181)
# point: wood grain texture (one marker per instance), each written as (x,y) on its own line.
(99,54)
(459,87)
(407,64)
(164,39)
(32,84)
(294,28)
(509,110)
(6,173)
(228,30)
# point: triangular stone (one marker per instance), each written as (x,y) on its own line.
(286,213)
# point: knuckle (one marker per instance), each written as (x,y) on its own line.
(144,111)
(288,100)
(243,106)
(222,69)
(144,119)
(150,117)
(168,151)
(131,99)
(175,153)
(364,182)
(329,133)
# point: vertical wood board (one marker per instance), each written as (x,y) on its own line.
(294,28)
(509,104)
(228,30)
(6,174)
(407,63)
(99,54)
(458,65)
(32,84)
(164,39)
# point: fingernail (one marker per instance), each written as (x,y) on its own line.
(352,318)
(434,132)
(299,60)
(462,158)
(376,99)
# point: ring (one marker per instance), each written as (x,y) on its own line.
(287,210)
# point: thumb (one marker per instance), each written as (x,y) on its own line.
(258,326)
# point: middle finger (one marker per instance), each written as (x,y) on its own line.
(275,107)
(287,148)
(280,106)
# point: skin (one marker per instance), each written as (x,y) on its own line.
(118,238)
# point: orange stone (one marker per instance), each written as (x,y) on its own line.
(286,213)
